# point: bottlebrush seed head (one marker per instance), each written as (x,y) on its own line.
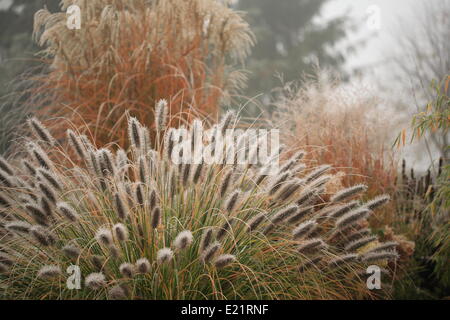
(49,272)
(121,207)
(5,166)
(95,281)
(164,255)
(313,175)
(348,193)
(377,202)
(120,232)
(156,217)
(67,211)
(142,265)
(311,246)
(40,131)
(231,201)
(104,236)
(77,144)
(134,133)
(256,221)
(71,251)
(386,246)
(224,260)
(183,240)
(356,244)
(20,227)
(284,214)
(117,293)
(210,252)
(127,270)
(379,255)
(206,239)
(304,229)
(352,217)
(161,113)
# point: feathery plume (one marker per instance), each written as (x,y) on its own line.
(379,255)
(18,227)
(224,260)
(95,281)
(120,232)
(278,181)
(121,207)
(38,215)
(104,236)
(117,293)
(186,174)
(161,112)
(255,221)
(311,246)
(105,159)
(301,213)
(320,181)
(156,217)
(183,240)
(226,121)
(210,251)
(77,144)
(197,173)
(143,170)
(121,159)
(313,175)
(358,235)
(135,133)
(40,131)
(206,239)
(6,179)
(50,178)
(377,202)
(67,211)
(386,246)
(142,265)
(28,167)
(71,251)
(284,214)
(356,244)
(127,270)
(352,217)
(304,229)
(343,260)
(307,195)
(42,235)
(49,272)
(39,155)
(153,199)
(231,201)
(48,192)
(289,189)
(169,143)
(139,194)
(348,193)
(226,181)
(164,255)
(343,209)
(223,229)
(5,166)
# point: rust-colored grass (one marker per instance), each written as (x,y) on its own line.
(129,54)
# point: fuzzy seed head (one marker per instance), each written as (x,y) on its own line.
(95,281)
(40,131)
(104,236)
(304,229)
(67,211)
(127,270)
(377,202)
(348,193)
(71,251)
(183,240)
(49,272)
(224,260)
(142,265)
(120,232)
(156,217)
(19,227)
(210,252)
(164,255)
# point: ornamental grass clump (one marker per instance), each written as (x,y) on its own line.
(127,55)
(138,227)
